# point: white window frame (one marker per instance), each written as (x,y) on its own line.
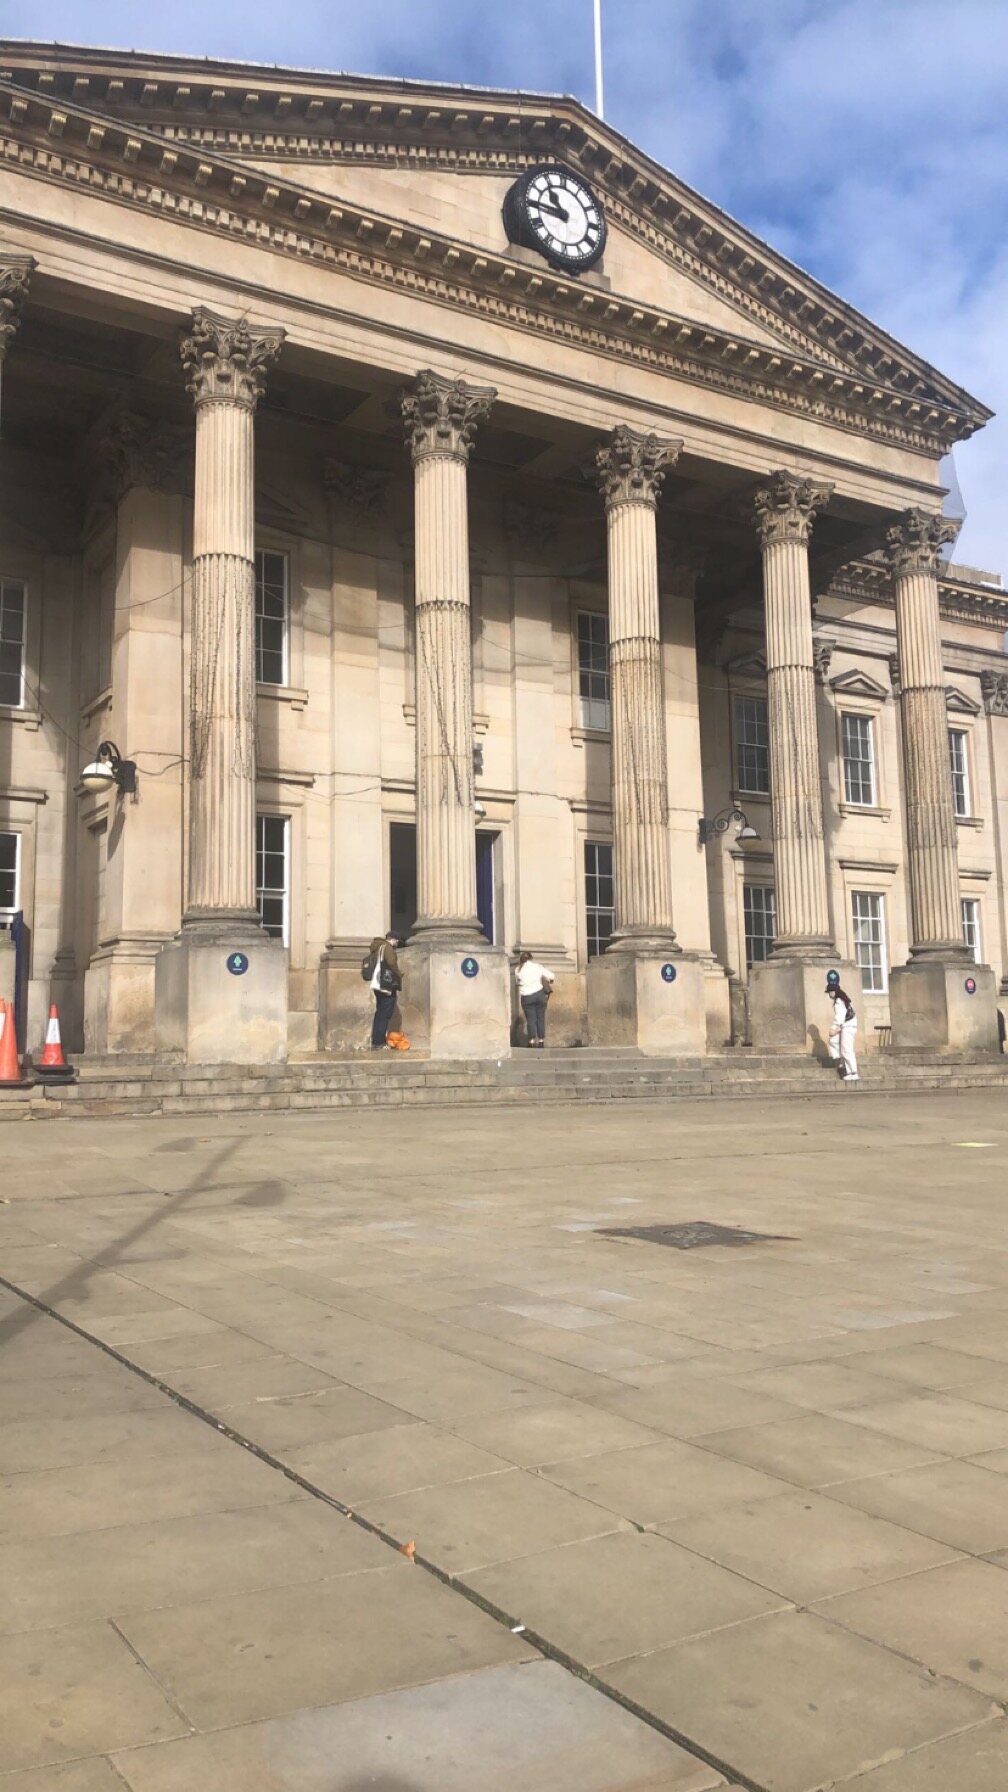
(22,585)
(769,912)
(261,555)
(962,793)
(737,698)
(6,914)
(271,890)
(594,713)
(596,908)
(857,719)
(972,926)
(879,920)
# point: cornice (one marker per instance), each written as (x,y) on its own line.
(212,107)
(959,600)
(137,169)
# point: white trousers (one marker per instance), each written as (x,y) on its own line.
(841,1047)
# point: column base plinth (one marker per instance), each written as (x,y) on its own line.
(119,997)
(212,1014)
(632,1000)
(788,1007)
(932,1008)
(449,1012)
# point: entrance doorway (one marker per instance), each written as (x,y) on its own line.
(403,880)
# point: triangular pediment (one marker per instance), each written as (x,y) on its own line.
(958,703)
(382,160)
(855,683)
(747,665)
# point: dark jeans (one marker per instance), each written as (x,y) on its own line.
(384,1007)
(535,1016)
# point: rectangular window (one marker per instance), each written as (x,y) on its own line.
(858,760)
(593,670)
(868,916)
(12,642)
(10,864)
(272,617)
(969,908)
(759,905)
(959,759)
(600,906)
(273,875)
(752,746)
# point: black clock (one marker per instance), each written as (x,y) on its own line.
(553,210)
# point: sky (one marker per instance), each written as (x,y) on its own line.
(865,139)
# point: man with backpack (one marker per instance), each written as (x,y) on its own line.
(380,969)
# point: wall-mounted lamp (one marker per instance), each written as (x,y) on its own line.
(721,822)
(109,767)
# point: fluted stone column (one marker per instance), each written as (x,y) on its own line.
(441,417)
(787,994)
(456,996)
(647,999)
(631,469)
(785,509)
(226,1014)
(931,1001)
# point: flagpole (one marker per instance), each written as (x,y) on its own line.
(598,58)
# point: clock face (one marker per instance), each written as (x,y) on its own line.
(560,216)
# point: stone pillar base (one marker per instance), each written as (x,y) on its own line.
(210,1015)
(346,1005)
(452,1015)
(632,1001)
(788,1008)
(931,1008)
(119,998)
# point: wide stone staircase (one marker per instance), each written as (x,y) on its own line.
(141,1086)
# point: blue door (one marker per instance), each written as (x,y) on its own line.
(485,882)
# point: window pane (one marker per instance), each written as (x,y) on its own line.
(959,761)
(272,874)
(593,670)
(760,911)
(272,617)
(752,745)
(599,911)
(8,872)
(970,910)
(868,926)
(859,759)
(12,640)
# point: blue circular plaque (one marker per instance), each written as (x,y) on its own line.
(237,964)
(470,967)
(971,986)
(668,972)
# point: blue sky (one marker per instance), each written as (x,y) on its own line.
(866,139)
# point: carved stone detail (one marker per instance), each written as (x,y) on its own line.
(358,489)
(226,360)
(994,686)
(527,526)
(441,416)
(135,450)
(15,275)
(822,654)
(786,507)
(894,674)
(914,544)
(631,466)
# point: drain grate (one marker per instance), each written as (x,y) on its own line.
(692,1235)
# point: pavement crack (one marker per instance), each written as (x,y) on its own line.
(165,1692)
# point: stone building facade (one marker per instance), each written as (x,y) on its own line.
(463,576)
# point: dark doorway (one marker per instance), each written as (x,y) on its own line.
(486,882)
(402,878)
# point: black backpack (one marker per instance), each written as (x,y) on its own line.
(368,966)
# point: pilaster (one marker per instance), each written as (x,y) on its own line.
(15,278)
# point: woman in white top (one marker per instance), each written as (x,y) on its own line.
(535,984)
(841,1034)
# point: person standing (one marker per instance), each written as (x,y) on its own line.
(535,986)
(386,982)
(843,1029)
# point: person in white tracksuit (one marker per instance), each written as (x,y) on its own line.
(843,1029)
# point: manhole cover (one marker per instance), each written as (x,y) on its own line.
(692,1235)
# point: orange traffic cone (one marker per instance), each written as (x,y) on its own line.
(10,1070)
(52,1067)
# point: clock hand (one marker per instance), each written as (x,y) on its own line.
(555,211)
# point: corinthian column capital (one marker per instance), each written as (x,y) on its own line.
(914,544)
(134,450)
(631,465)
(226,360)
(441,415)
(15,274)
(786,507)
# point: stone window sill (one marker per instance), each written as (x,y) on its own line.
(580,735)
(874,811)
(283,693)
(969,821)
(741,797)
(28,718)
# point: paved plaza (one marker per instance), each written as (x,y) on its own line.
(399,1471)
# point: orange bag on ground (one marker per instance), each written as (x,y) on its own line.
(398,1042)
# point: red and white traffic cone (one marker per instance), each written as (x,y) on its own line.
(10,1069)
(52,1067)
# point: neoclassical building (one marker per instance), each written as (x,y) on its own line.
(438,517)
